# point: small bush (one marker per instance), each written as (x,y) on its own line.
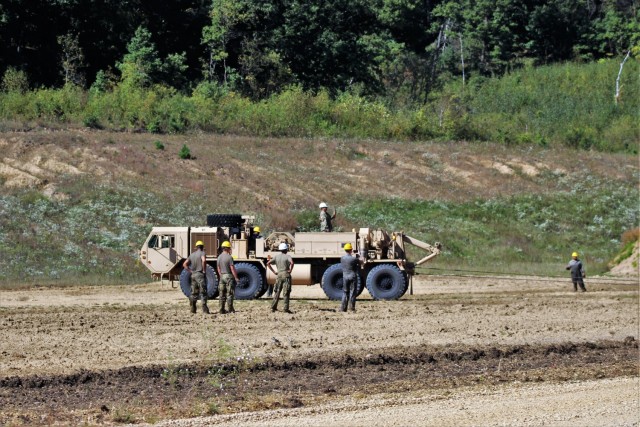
(15,81)
(91,121)
(159,145)
(185,153)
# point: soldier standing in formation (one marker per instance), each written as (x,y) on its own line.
(228,278)
(577,273)
(350,265)
(326,218)
(196,264)
(284,263)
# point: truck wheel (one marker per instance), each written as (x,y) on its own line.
(386,282)
(360,285)
(250,281)
(263,290)
(224,220)
(210,278)
(332,283)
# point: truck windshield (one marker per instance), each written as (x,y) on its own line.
(162,241)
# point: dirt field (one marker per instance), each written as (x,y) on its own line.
(460,351)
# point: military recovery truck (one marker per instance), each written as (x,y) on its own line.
(385,272)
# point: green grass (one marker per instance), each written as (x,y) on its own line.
(526,234)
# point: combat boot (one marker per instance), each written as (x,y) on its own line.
(205,308)
(192,302)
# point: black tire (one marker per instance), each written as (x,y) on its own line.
(263,291)
(406,281)
(211,281)
(224,220)
(332,283)
(360,286)
(250,282)
(386,282)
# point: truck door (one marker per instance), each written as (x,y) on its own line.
(162,254)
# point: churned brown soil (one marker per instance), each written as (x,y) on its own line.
(459,351)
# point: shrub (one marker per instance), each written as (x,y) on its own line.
(159,145)
(184,153)
(15,81)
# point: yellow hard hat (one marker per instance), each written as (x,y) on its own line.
(348,247)
(256,229)
(226,244)
(199,243)
(574,254)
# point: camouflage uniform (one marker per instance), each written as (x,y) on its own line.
(325,221)
(198,279)
(227,282)
(350,265)
(283,281)
(577,273)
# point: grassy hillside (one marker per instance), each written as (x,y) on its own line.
(76,206)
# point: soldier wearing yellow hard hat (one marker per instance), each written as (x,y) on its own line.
(228,279)
(577,273)
(196,264)
(350,266)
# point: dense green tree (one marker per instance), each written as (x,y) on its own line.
(401,49)
(142,67)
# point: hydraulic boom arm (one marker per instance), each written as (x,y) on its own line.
(433,249)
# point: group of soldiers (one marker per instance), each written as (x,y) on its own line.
(196,264)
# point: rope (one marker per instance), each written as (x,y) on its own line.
(528,277)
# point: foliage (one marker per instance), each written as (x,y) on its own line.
(15,80)
(401,50)
(72,60)
(570,104)
(184,152)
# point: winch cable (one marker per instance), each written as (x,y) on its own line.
(521,276)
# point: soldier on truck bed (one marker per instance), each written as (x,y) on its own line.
(326,218)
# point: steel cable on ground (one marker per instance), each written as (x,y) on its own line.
(530,277)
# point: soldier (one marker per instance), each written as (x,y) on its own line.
(577,273)
(228,278)
(255,234)
(326,218)
(196,264)
(284,263)
(350,265)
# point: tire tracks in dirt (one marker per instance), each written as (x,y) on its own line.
(135,393)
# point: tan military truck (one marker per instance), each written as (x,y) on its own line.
(385,272)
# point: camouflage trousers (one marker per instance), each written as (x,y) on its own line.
(283,284)
(198,286)
(227,291)
(349,293)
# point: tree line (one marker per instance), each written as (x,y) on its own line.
(400,50)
